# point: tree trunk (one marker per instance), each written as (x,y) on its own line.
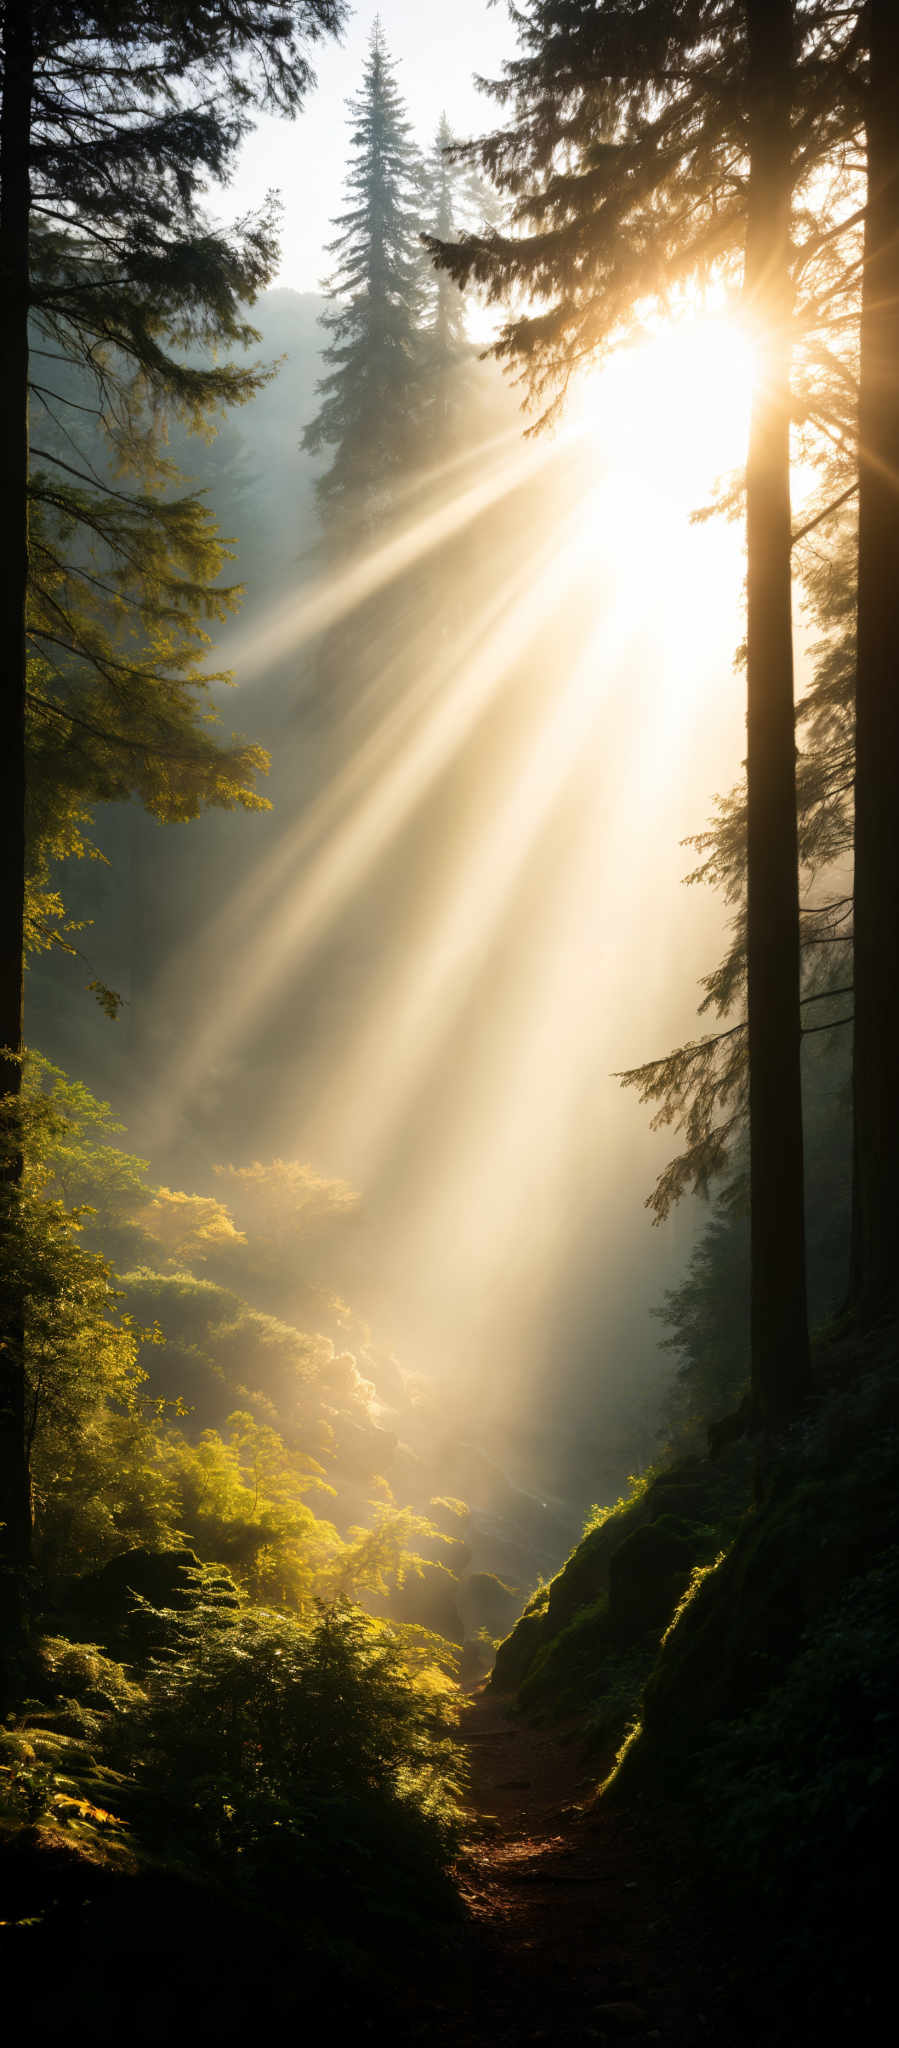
(875,1276)
(779,1324)
(15,127)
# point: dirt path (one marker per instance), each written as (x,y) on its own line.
(572,1929)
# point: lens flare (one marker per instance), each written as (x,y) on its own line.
(672,411)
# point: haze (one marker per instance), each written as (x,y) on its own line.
(463,915)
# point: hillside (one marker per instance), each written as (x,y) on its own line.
(726,1670)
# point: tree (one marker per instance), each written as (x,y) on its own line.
(856,674)
(650,147)
(112,121)
(778,1310)
(371,394)
(455,200)
(15,119)
(701,1089)
(443,178)
(875,1249)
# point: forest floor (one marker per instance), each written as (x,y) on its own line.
(580,1930)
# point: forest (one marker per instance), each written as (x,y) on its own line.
(449,1271)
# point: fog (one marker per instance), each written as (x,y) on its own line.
(421,970)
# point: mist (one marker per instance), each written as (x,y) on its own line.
(448,1266)
(418,971)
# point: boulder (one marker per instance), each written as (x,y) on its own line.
(515,1656)
(647,1575)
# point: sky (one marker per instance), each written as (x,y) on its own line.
(437,49)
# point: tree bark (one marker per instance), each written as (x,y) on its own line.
(875,1274)
(779,1322)
(15,129)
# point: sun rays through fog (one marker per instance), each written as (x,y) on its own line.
(442,908)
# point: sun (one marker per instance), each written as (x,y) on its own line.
(671,412)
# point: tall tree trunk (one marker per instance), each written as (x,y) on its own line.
(875,1277)
(15,128)
(779,1324)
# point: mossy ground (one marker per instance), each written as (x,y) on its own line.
(757,1723)
(585,1646)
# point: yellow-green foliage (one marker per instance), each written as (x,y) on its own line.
(114,1464)
(623,1756)
(52,1775)
(586,1646)
(337,1705)
(581,1584)
(187,1226)
(638,1484)
(323,1747)
(698,1574)
(283,1194)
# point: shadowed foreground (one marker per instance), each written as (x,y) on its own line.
(573,1933)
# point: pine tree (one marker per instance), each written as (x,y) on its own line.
(113,120)
(15,129)
(456,200)
(857,675)
(701,1089)
(444,182)
(370,414)
(778,1305)
(875,1248)
(649,147)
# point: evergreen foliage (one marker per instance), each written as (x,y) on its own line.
(161,1406)
(131,284)
(614,119)
(113,121)
(701,1089)
(371,394)
(288,1781)
(246,1747)
(450,190)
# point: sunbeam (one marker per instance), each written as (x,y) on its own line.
(375,799)
(405,1032)
(561,761)
(334,594)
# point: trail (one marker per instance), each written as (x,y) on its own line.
(574,1925)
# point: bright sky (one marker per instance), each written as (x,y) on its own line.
(437,49)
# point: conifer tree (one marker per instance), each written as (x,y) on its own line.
(113,120)
(650,146)
(701,1089)
(15,132)
(856,674)
(456,199)
(778,1310)
(371,394)
(875,1247)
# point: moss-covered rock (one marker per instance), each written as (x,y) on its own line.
(585,1577)
(567,1668)
(648,1573)
(689,1500)
(769,1724)
(515,1656)
(823,1523)
(610,1596)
